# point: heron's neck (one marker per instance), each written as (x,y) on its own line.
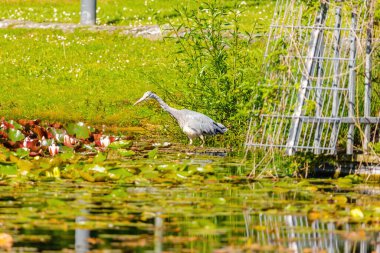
(165,106)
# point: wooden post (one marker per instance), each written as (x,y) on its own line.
(303,93)
(352,84)
(368,76)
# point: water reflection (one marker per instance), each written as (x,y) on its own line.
(297,233)
(158,232)
(201,216)
(81,235)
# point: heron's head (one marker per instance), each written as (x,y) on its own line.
(146,95)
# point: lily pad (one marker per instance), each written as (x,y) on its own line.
(79,130)
(15,135)
(10,169)
(121,144)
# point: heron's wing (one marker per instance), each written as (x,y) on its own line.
(201,123)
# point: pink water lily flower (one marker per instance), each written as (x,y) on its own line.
(53,149)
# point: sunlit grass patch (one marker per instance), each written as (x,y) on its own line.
(78,76)
(123,12)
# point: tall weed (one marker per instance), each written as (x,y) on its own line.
(216,64)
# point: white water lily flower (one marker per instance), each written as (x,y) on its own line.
(98,168)
(105,141)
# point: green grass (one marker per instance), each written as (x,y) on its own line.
(79,76)
(124,12)
(94,76)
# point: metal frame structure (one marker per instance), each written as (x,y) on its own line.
(310,87)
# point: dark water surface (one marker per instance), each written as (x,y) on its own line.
(216,209)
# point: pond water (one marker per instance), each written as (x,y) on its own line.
(188,203)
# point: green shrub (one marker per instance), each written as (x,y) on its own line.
(217,72)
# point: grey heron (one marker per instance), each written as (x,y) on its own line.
(193,124)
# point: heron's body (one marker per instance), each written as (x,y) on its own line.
(193,124)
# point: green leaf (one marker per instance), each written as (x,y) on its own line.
(15,124)
(121,172)
(86,176)
(126,153)
(120,144)
(118,193)
(153,153)
(21,153)
(10,169)
(55,203)
(79,129)
(15,135)
(219,201)
(100,157)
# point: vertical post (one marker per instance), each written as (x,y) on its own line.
(303,93)
(88,12)
(318,98)
(336,77)
(368,76)
(352,84)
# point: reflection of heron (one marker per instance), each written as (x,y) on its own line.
(193,124)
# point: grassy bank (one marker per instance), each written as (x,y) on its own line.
(124,12)
(79,75)
(94,76)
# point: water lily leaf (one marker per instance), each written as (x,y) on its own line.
(15,135)
(355,179)
(205,169)
(219,201)
(140,181)
(24,165)
(3,157)
(15,124)
(149,174)
(55,203)
(126,153)
(344,182)
(181,175)
(20,152)
(120,144)
(168,167)
(66,156)
(95,168)
(153,153)
(101,177)
(122,172)
(147,168)
(340,200)
(118,193)
(56,172)
(100,157)
(10,169)
(80,130)
(86,176)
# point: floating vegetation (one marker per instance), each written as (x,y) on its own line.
(132,195)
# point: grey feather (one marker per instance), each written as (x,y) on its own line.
(193,124)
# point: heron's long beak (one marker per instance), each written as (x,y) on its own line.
(140,100)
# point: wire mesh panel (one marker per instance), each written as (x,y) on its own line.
(309,62)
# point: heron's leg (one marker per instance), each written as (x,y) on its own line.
(203,140)
(191,141)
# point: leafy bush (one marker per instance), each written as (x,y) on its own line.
(217,73)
